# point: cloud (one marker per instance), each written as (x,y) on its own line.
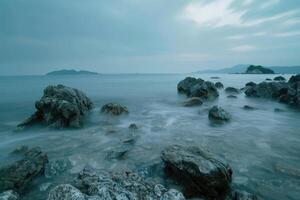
(269,3)
(243,48)
(247,2)
(292,21)
(219,13)
(242,37)
(288,34)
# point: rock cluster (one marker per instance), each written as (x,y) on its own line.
(60,107)
(232,90)
(194,87)
(218,114)
(114,109)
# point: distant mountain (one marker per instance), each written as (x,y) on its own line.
(71,72)
(243,67)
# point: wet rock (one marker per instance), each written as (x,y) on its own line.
(60,107)
(267,90)
(17,175)
(279,78)
(120,185)
(218,114)
(232,96)
(215,77)
(114,109)
(172,195)
(117,152)
(242,195)
(9,195)
(193,101)
(193,87)
(55,168)
(199,172)
(65,192)
(247,107)
(232,90)
(133,127)
(250,84)
(219,85)
(294,79)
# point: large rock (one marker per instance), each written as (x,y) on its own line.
(9,195)
(219,85)
(123,185)
(232,90)
(114,109)
(218,114)
(60,107)
(199,172)
(65,192)
(193,87)
(17,175)
(279,78)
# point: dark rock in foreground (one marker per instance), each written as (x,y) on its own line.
(279,78)
(232,90)
(257,69)
(60,107)
(242,195)
(65,192)
(9,195)
(219,85)
(133,126)
(114,109)
(102,184)
(218,114)
(17,175)
(250,84)
(193,101)
(193,87)
(200,173)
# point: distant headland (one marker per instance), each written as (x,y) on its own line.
(71,72)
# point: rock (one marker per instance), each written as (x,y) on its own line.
(172,195)
(60,107)
(232,96)
(257,69)
(114,109)
(215,77)
(246,107)
(199,172)
(17,175)
(250,84)
(55,168)
(65,192)
(9,195)
(268,79)
(20,150)
(242,195)
(232,90)
(278,110)
(219,85)
(279,78)
(218,114)
(117,152)
(294,79)
(45,186)
(121,185)
(193,101)
(133,127)
(193,87)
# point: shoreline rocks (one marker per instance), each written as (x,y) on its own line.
(232,90)
(219,85)
(59,107)
(114,109)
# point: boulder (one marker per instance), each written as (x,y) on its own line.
(232,90)
(193,101)
(294,79)
(268,79)
(279,78)
(18,175)
(121,185)
(219,85)
(117,152)
(193,87)
(9,195)
(200,173)
(133,126)
(114,109)
(218,114)
(246,107)
(250,84)
(65,192)
(60,107)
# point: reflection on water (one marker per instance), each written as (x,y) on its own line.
(261,145)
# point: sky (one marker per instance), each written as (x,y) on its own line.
(149,36)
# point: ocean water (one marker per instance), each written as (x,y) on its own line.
(261,146)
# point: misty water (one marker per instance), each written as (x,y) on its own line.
(261,145)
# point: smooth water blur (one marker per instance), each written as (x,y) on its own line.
(262,146)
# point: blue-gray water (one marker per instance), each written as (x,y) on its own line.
(262,146)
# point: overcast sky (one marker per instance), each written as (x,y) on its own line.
(146,36)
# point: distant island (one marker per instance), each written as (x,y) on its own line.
(258,69)
(71,72)
(241,68)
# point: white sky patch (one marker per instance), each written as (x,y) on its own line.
(292,21)
(288,34)
(219,13)
(269,3)
(243,48)
(246,36)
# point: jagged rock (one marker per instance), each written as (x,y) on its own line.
(267,90)
(218,114)
(193,101)
(65,192)
(199,173)
(193,87)
(294,79)
(246,107)
(17,175)
(9,195)
(123,185)
(60,107)
(114,109)
(232,90)
(219,85)
(279,78)
(232,96)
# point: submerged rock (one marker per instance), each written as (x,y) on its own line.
(218,114)
(278,110)
(232,90)
(193,101)
(193,87)
(17,175)
(246,107)
(9,195)
(60,107)
(219,85)
(232,96)
(117,152)
(199,172)
(65,192)
(279,78)
(121,185)
(114,109)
